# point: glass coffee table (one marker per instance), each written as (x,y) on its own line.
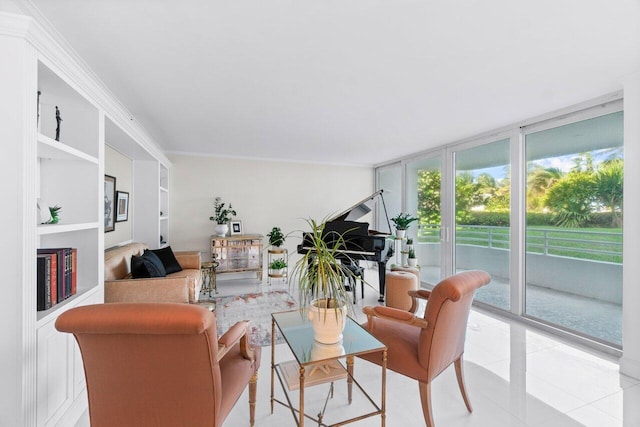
(316,363)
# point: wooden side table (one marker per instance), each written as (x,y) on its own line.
(209,277)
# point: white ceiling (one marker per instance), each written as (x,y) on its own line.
(346,81)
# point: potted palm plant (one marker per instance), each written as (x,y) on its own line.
(320,277)
(221,216)
(402,222)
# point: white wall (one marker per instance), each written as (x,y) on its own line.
(264,193)
(119,166)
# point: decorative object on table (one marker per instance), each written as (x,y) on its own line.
(109,203)
(320,276)
(257,307)
(222,216)
(236,227)
(276,238)
(122,213)
(58,121)
(402,222)
(412,258)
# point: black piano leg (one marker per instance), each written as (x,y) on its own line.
(382,275)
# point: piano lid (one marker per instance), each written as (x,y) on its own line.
(362,208)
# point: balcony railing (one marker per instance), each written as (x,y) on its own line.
(579,243)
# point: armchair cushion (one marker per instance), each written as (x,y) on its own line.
(147,265)
(168,259)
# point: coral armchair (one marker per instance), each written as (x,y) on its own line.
(161,364)
(421,348)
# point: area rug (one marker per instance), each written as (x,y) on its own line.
(255,307)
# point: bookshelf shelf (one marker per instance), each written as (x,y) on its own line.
(44,229)
(50,149)
(44,317)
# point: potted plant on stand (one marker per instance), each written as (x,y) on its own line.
(412,258)
(402,222)
(320,277)
(221,217)
(276,238)
(277,267)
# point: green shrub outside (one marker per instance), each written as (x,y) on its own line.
(501,219)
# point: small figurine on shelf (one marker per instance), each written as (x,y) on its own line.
(54,210)
(58,120)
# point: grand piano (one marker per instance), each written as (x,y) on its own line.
(360,242)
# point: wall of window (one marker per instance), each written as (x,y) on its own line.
(539,207)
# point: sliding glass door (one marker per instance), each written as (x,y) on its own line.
(423,178)
(574,226)
(482,197)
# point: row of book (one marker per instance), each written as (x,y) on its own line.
(57,276)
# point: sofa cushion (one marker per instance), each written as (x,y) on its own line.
(147,265)
(168,259)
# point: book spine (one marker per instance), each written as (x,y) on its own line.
(41,290)
(74,272)
(53,275)
(67,272)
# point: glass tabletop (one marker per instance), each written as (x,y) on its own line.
(298,333)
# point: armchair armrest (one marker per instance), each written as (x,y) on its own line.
(238,332)
(160,289)
(420,293)
(188,259)
(393,314)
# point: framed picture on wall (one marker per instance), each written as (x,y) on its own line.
(122,212)
(109,203)
(235,227)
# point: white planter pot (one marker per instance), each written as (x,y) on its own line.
(221,229)
(328,323)
(326,351)
(277,272)
(413,262)
(404,258)
(400,234)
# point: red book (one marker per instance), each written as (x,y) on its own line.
(74,273)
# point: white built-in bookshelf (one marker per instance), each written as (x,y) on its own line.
(42,368)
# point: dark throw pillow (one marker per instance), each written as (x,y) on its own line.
(168,259)
(147,265)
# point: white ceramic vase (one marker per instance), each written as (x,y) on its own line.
(221,229)
(413,262)
(327,323)
(400,233)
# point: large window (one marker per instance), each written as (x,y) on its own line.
(574,226)
(539,207)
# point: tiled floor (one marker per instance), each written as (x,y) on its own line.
(516,376)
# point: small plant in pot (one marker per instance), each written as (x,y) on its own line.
(412,258)
(320,276)
(402,222)
(221,216)
(277,266)
(276,238)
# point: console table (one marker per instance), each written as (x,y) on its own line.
(238,254)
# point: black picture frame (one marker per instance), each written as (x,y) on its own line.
(122,206)
(109,203)
(235,227)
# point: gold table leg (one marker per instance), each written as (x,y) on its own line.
(350,378)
